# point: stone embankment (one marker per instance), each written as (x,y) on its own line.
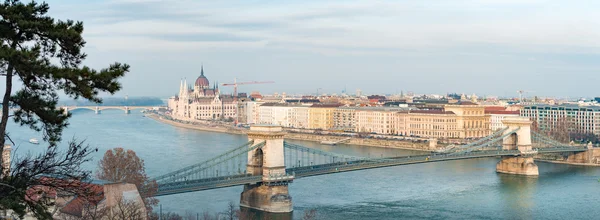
(206,127)
(372,142)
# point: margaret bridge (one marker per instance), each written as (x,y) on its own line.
(266,164)
(99,109)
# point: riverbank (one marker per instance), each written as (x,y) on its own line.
(370,142)
(209,128)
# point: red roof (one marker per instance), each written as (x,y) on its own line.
(466,103)
(85,193)
(332,105)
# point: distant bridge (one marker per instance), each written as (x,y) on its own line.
(267,164)
(98,109)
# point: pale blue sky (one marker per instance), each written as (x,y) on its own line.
(488,47)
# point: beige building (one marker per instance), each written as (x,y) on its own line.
(321,116)
(427,123)
(472,122)
(344,118)
(464,120)
(380,120)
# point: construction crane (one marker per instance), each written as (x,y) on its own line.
(235,94)
(235,85)
(521,95)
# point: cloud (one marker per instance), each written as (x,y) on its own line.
(347,24)
(430,39)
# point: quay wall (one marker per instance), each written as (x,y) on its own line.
(386,143)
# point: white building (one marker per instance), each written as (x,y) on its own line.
(200,102)
(252,112)
(496,118)
(276,114)
(300,116)
(380,120)
(580,119)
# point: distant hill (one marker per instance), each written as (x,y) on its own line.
(113,101)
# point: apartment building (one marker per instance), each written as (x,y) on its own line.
(321,116)
(380,120)
(344,118)
(581,119)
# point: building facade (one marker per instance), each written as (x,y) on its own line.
(301,116)
(344,118)
(428,123)
(275,114)
(497,116)
(321,116)
(472,122)
(201,102)
(580,119)
(380,120)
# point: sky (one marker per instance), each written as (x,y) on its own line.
(486,47)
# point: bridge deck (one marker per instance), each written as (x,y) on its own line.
(337,167)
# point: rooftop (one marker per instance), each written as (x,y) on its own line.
(437,112)
(564,107)
(502,112)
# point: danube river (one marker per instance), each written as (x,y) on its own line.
(467,189)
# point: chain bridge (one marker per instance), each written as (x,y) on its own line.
(266,164)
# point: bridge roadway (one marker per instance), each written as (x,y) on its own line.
(344,166)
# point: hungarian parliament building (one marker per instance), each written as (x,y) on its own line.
(201,102)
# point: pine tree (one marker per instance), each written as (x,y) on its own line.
(45,55)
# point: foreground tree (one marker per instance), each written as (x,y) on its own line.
(45,55)
(119,165)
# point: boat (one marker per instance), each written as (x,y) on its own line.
(34,141)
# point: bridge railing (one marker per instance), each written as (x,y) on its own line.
(232,162)
(476,143)
(297,156)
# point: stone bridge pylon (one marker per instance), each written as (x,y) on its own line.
(270,195)
(520,139)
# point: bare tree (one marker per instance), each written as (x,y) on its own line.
(171,216)
(206,216)
(190,216)
(130,210)
(119,165)
(245,214)
(231,211)
(28,181)
(96,210)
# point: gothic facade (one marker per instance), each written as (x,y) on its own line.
(201,102)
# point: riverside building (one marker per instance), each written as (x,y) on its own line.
(582,119)
(200,101)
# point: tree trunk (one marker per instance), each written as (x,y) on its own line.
(5,108)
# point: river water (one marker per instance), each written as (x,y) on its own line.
(466,189)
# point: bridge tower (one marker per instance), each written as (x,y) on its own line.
(518,140)
(127,110)
(97,110)
(270,195)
